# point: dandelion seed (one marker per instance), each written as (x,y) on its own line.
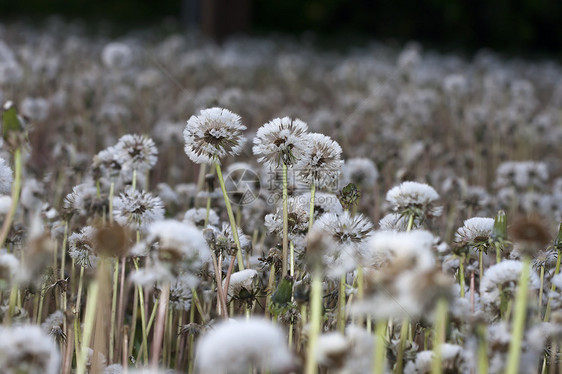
(213,135)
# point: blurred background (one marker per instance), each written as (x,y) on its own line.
(505,25)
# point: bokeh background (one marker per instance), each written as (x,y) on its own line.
(514,26)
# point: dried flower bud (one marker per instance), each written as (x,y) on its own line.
(349,196)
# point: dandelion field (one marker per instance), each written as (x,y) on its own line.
(263,206)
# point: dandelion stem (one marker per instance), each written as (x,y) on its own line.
(539,306)
(134,179)
(402,345)
(113,310)
(315,320)
(461,274)
(311,213)
(231,218)
(553,287)
(439,339)
(341,305)
(143,316)
(482,349)
(379,361)
(410,222)
(285,222)
(269,289)
(160,325)
(518,324)
(89,319)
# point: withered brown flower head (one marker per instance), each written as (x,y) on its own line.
(529,234)
(113,240)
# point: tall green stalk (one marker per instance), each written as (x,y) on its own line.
(315,320)
(311,218)
(89,319)
(231,218)
(518,324)
(439,339)
(113,310)
(379,361)
(285,225)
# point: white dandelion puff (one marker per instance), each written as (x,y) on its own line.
(236,346)
(281,141)
(137,209)
(214,134)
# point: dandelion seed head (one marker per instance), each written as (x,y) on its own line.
(117,55)
(413,195)
(281,141)
(136,152)
(212,135)
(137,209)
(235,345)
(476,229)
(239,280)
(196,216)
(360,171)
(27,349)
(502,277)
(81,247)
(321,163)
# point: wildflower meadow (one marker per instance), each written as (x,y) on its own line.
(172,205)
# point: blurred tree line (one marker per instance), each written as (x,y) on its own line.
(500,24)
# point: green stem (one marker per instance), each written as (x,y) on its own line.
(518,324)
(110,200)
(91,306)
(341,305)
(552,288)
(113,310)
(539,306)
(379,361)
(461,274)
(410,222)
(285,223)
(311,213)
(134,179)
(439,339)
(143,316)
(11,305)
(231,218)
(482,349)
(315,321)
(402,345)
(480,265)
